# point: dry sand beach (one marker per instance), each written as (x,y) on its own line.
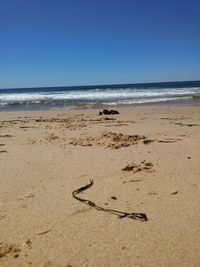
(144,160)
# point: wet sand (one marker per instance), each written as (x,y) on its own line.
(144,160)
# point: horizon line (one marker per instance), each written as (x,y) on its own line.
(103,85)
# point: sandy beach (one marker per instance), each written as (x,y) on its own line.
(144,160)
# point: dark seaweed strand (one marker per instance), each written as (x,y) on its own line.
(120,214)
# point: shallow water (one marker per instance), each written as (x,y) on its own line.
(98,96)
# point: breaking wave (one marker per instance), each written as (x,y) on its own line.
(93,97)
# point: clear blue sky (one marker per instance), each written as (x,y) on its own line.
(81,42)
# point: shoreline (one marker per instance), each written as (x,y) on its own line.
(95,111)
(164,104)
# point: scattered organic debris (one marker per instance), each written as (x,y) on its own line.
(174,193)
(109,139)
(148,141)
(120,214)
(29,243)
(99,120)
(138,167)
(27,127)
(57,120)
(45,232)
(69,123)
(3,151)
(168,141)
(7,249)
(185,124)
(116,125)
(175,119)
(51,137)
(2,217)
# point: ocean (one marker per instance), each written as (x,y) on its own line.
(99,96)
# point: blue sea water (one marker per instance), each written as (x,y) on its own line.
(98,96)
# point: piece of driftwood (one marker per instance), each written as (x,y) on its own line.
(3,151)
(120,214)
(45,232)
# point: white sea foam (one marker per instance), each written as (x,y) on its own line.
(97,95)
(144,101)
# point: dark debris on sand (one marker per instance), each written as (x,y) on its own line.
(108,112)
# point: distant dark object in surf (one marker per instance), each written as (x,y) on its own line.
(196,95)
(108,112)
(120,214)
